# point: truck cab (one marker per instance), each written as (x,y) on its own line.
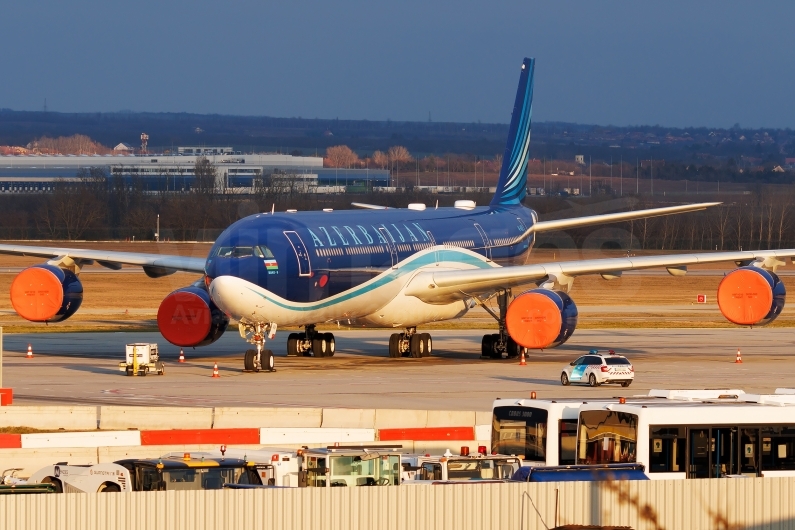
(350,466)
(464,467)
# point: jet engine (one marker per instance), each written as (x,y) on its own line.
(751,296)
(541,318)
(46,293)
(188,317)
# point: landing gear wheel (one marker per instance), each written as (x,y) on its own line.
(267,360)
(320,346)
(426,337)
(417,347)
(485,346)
(292,345)
(564,379)
(332,344)
(513,349)
(625,384)
(592,380)
(248,360)
(495,353)
(394,345)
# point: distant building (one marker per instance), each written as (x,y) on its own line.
(790,163)
(124,148)
(191,151)
(579,159)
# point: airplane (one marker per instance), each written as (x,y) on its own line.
(390,268)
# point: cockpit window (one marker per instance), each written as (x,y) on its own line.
(260,251)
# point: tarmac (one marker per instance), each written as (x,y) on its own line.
(82,368)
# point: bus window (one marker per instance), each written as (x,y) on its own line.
(607,437)
(666,449)
(567,451)
(520,431)
(778,448)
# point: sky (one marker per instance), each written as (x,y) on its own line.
(674,63)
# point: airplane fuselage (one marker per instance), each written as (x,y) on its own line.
(310,256)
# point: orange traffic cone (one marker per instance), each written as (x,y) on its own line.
(522,361)
(739,358)
(30,352)
(181,356)
(215,370)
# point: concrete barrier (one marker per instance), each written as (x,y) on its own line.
(31,460)
(446,418)
(113,454)
(349,418)
(10,441)
(160,418)
(327,436)
(237,417)
(482,417)
(428,434)
(79,418)
(397,418)
(80,439)
(483,432)
(200,437)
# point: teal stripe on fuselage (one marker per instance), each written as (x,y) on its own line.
(409,266)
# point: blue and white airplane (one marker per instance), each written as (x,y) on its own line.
(390,268)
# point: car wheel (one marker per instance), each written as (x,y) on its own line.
(626,383)
(564,379)
(592,380)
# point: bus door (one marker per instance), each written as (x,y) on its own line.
(304,266)
(750,451)
(713,452)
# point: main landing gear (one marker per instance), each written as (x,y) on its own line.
(494,345)
(410,343)
(259,358)
(310,342)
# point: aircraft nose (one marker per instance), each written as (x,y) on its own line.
(228,293)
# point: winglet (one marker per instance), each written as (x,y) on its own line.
(512,184)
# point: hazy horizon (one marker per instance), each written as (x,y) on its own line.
(711,64)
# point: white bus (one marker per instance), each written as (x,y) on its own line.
(753,435)
(544,432)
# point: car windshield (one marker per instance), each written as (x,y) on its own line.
(370,470)
(615,361)
(212,478)
(520,431)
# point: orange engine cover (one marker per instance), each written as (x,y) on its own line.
(541,318)
(46,293)
(188,317)
(751,296)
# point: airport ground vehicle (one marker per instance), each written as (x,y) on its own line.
(352,465)
(275,467)
(157,474)
(598,473)
(597,369)
(544,432)
(142,358)
(753,435)
(460,468)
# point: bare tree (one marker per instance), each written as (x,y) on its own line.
(340,156)
(205,175)
(380,159)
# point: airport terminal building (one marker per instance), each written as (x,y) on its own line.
(174,173)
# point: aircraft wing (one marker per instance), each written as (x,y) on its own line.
(154,265)
(447,286)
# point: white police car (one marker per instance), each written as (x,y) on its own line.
(597,369)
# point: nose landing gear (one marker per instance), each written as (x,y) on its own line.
(258,359)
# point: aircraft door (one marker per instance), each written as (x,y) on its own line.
(301,253)
(390,245)
(486,241)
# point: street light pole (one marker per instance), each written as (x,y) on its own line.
(157,235)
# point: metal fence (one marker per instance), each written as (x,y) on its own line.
(747,504)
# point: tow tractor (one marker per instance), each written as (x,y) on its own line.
(158,474)
(142,358)
(275,467)
(450,469)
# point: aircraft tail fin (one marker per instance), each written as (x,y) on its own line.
(512,184)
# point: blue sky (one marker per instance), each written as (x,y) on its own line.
(674,63)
